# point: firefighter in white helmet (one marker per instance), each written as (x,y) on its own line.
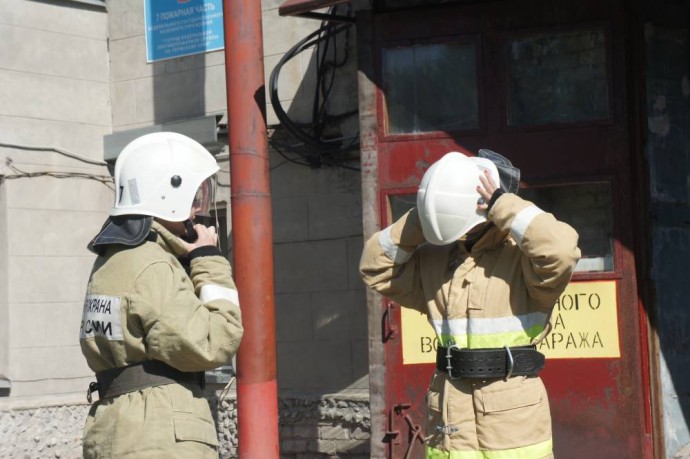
(486,267)
(152,324)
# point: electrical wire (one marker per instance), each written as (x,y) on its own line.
(292,127)
(56,378)
(107,180)
(312,149)
(57,150)
(282,153)
(18,173)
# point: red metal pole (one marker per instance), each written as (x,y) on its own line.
(257,389)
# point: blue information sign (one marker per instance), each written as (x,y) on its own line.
(177,28)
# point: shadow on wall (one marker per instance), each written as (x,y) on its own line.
(317,216)
(178,88)
(70,4)
(317,219)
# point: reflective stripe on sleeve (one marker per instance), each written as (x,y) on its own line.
(391,249)
(540,449)
(522,221)
(210,292)
(481,333)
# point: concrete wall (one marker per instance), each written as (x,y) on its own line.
(668,158)
(320,312)
(54,111)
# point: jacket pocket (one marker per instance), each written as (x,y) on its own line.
(433,395)
(433,401)
(522,393)
(513,414)
(435,412)
(188,428)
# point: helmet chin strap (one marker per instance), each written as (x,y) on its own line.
(191,235)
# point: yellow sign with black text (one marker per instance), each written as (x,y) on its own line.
(584,325)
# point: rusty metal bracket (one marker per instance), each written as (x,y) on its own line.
(392,436)
(389,330)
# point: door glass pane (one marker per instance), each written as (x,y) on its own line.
(585,207)
(588,209)
(430,87)
(557,78)
(401,203)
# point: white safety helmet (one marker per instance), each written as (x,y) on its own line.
(447,197)
(161,175)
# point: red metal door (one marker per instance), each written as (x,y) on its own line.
(545,84)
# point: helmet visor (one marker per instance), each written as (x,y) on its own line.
(203,198)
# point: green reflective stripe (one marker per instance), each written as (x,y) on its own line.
(459,340)
(483,332)
(433,453)
(493,340)
(535,451)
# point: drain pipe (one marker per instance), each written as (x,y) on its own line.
(252,230)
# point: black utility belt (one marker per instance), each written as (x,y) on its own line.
(150,373)
(489,363)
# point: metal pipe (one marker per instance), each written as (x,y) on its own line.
(252,230)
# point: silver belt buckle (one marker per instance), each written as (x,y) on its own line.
(449,365)
(511,363)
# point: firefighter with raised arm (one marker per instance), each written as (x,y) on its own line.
(486,267)
(153,324)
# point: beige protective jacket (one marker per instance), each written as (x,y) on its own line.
(141,305)
(501,293)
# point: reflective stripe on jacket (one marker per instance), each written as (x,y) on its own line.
(140,305)
(500,293)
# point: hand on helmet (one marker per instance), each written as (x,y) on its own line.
(206,236)
(485,190)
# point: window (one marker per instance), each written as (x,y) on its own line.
(557,78)
(587,208)
(399,204)
(430,87)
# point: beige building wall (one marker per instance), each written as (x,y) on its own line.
(54,111)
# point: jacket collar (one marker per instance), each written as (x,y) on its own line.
(491,239)
(168,241)
(126,230)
